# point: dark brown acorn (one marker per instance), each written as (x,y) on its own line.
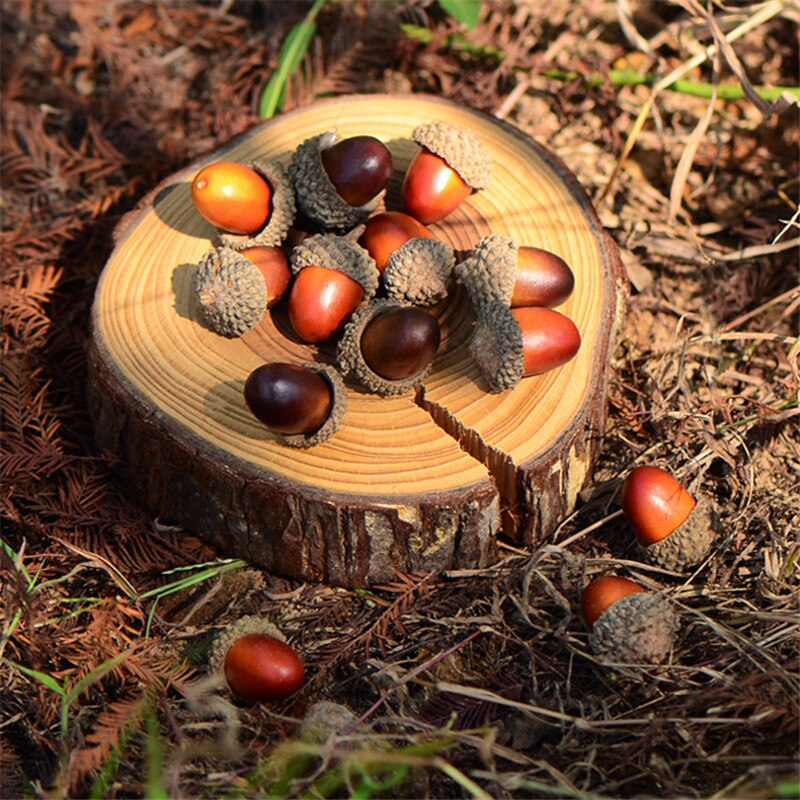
(288,398)
(359,168)
(400,342)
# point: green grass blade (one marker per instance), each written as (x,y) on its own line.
(467,12)
(154,752)
(42,677)
(293,51)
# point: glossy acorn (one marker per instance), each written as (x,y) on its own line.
(232,197)
(449,166)
(359,167)
(321,301)
(274,266)
(672,528)
(543,278)
(262,668)
(627,624)
(400,342)
(387,232)
(549,338)
(288,398)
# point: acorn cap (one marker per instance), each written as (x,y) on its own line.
(281,217)
(639,628)
(496,346)
(338,407)
(491,271)
(230,291)
(244,626)
(351,359)
(340,253)
(688,544)
(316,196)
(460,148)
(418,271)
(323,720)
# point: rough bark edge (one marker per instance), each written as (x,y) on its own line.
(291,529)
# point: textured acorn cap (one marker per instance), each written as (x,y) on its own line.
(338,407)
(244,626)
(637,629)
(688,544)
(340,253)
(323,720)
(490,272)
(281,217)
(460,148)
(496,346)
(418,271)
(230,291)
(316,196)
(351,359)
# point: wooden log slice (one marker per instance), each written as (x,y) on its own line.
(424,481)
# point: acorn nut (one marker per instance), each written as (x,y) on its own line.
(389,346)
(450,165)
(386,232)
(510,344)
(257,662)
(304,404)
(673,529)
(627,624)
(338,184)
(499,269)
(333,275)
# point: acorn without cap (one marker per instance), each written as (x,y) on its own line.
(673,529)
(451,164)
(627,624)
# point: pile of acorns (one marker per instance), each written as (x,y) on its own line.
(364,277)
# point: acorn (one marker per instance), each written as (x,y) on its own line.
(333,275)
(273,264)
(419,271)
(230,292)
(499,269)
(251,204)
(451,164)
(257,662)
(303,404)
(510,344)
(339,183)
(386,232)
(389,346)
(627,624)
(673,529)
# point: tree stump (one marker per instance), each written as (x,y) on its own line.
(424,481)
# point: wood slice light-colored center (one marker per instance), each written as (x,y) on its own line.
(437,447)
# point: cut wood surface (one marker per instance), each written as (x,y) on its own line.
(424,481)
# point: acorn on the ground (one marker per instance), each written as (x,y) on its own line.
(339,182)
(303,404)
(499,269)
(673,529)
(256,661)
(230,291)
(419,271)
(510,344)
(389,346)
(250,204)
(333,276)
(627,624)
(451,164)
